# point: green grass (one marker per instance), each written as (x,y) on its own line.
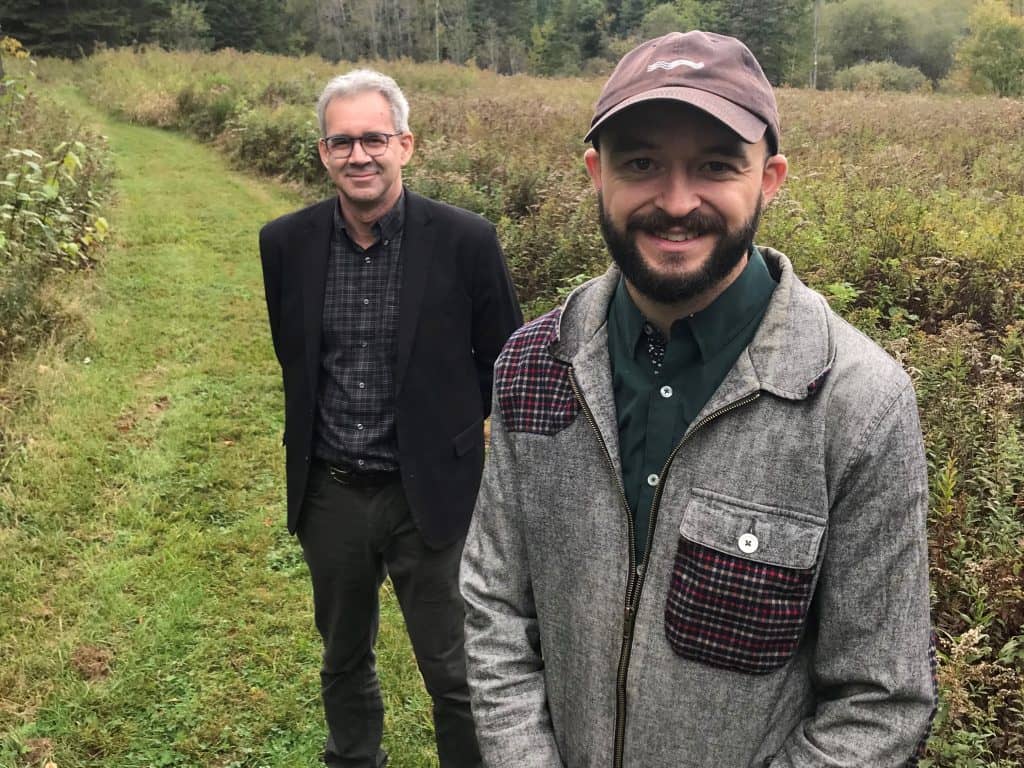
(153,610)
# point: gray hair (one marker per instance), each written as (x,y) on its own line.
(360,81)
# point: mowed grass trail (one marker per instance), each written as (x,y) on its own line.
(153,610)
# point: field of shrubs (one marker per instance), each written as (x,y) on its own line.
(53,178)
(906,210)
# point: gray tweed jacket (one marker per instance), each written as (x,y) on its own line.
(781,617)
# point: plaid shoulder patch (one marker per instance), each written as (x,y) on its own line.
(532,387)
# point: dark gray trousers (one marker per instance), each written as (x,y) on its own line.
(352,538)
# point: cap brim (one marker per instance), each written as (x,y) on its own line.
(746,125)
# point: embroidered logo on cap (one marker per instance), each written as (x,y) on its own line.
(667,65)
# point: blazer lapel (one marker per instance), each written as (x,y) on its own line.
(417,254)
(313,261)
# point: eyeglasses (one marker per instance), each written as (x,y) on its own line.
(374,144)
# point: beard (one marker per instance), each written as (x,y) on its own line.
(730,249)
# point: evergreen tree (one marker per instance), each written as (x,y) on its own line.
(72,28)
(185,29)
(629,14)
(63,28)
(550,51)
(248,25)
(776,31)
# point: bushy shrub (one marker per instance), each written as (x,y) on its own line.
(881,76)
(53,177)
(275,142)
(205,108)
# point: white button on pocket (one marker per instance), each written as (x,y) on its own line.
(652,480)
(666,391)
(748,543)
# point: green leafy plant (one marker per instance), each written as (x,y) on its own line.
(51,188)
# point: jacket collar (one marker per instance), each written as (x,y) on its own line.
(790,356)
(315,247)
(417,256)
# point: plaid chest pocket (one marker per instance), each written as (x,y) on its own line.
(741,583)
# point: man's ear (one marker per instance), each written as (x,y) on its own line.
(592,159)
(324,157)
(408,144)
(775,169)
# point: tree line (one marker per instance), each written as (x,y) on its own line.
(971,44)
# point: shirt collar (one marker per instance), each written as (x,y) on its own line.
(745,299)
(716,325)
(626,318)
(386,227)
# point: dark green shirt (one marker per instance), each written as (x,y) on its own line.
(660,388)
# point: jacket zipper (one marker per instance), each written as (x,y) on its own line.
(635,582)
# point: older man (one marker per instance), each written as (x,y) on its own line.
(700,539)
(387,311)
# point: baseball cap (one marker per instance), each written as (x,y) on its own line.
(715,73)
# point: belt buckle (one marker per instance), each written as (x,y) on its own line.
(339,475)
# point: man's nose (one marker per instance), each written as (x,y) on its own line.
(359,155)
(679,195)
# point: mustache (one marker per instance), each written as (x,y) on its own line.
(370,162)
(659,221)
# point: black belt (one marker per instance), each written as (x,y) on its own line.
(360,479)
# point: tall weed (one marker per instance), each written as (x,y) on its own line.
(53,176)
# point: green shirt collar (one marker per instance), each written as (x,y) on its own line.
(713,327)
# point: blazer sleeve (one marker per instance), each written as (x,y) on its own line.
(270,256)
(496,312)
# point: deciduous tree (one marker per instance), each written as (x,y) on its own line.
(993,53)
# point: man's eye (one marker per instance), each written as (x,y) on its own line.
(717,166)
(374,141)
(639,164)
(339,142)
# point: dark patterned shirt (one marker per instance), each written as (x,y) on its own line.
(355,424)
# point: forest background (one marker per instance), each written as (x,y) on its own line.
(899,44)
(153,611)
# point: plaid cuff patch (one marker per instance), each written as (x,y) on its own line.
(733,613)
(532,387)
(933,665)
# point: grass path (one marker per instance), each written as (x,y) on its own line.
(153,611)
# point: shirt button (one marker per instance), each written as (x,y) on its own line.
(362,344)
(359,426)
(360,462)
(386,242)
(362,385)
(748,543)
(666,391)
(366,301)
(652,480)
(367,259)
(648,329)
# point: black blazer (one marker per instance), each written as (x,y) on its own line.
(457,307)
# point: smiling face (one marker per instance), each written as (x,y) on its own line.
(680,196)
(364,183)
